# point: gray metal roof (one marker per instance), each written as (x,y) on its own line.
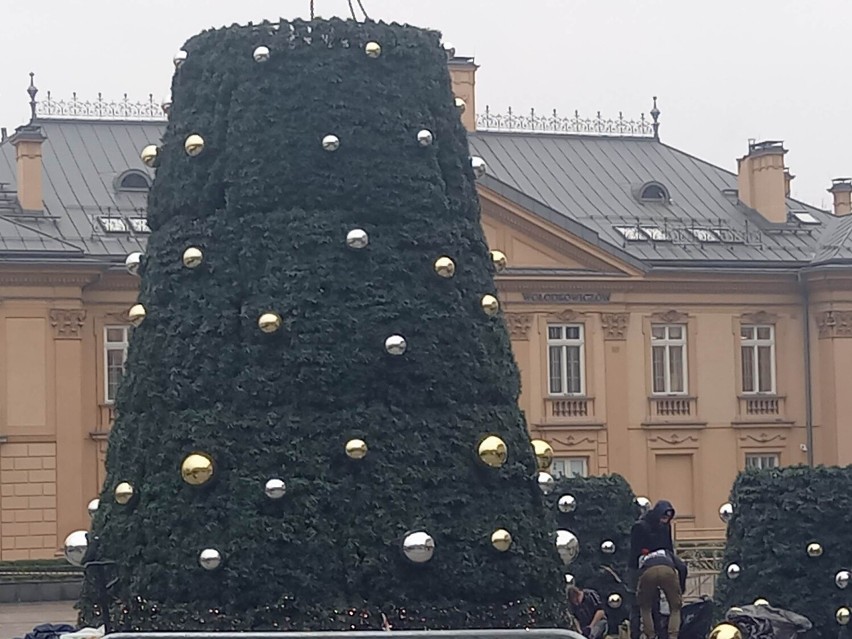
(835,244)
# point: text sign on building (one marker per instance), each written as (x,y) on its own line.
(567,298)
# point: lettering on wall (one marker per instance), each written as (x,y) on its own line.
(569,298)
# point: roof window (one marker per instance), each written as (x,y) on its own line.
(133,180)
(705,235)
(654,192)
(113,224)
(805,218)
(631,233)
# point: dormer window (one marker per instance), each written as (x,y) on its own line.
(133,181)
(654,192)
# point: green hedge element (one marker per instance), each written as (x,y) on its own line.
(777,513)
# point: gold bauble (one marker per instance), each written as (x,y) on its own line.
(843,615)
(196,469)
(493,451)
(269,322)
(136,314)
(356,449)
(490,305)
(194,145)
(501,539)
(445,267)
(124,493)
(149,155)
(460,105)
(814,550)
(726,631)
(498,259)
(192,257)
(543,454)
(373,50)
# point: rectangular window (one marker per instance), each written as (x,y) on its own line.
(759,461)
(115,353)
(570,467)
(668,358)
(757,347)
(565,360)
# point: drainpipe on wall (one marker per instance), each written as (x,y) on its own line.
(809,408)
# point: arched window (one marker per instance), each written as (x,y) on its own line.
(133,181)
(653,192)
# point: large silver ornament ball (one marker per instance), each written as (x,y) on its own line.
(331,143)
(608,547)
(75,547)
(644,504)
(569,579)
(357,239)
(275,488)
(210,559)
(614,601)
(395,345)
(814,550)
(418,547)
(180,58)
(261,54)
(726,511)
(166,106)
(841,579)
(567,504)
(479,167)
(567,545)
(425,138)
(450,50)
(93,506)
(545,482)
(733,571)
(132,262)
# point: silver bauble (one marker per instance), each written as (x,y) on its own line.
(261,54)
(132,262)
(842,578)
(180,58)
(644,504)
(567,504)
(373,50)
(569,579)
(726,511)
(425,138)
(331,143)
(75,547)
(166,106)
(357,239)
(450,50)
(395,345)
(733,571)
(210,559)
(92,506)
(275,488)
(614,600)
(814,550)
(418,547)
(546,482)
(479,167)
(567,545)
(608,547)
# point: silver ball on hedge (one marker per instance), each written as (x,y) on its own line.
(608,547)
(733,571)
(331,143)
(93,506)
(180,58)
(275,488)
(567,545)
(425,137)
(842,578)
(166,107)
(479,167)
(569,579)
(395,345)
(373,50)
(418,547)
(450,50)
(545,482)
(132,262)
(210,559)
(261,54)
(614,600)
(357,239)
(726,511)
(75,547)
(567,504)
(644,504)
(814,550)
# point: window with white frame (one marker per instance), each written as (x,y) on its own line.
(115,353)
(565,359)
(759,461)
(757,347)
(570,467)
(668,357)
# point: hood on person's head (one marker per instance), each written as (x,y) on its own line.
(661,509)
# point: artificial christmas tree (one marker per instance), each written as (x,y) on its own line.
(318,426)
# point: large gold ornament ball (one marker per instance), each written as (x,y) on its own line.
(501,539)
(196,469)
(136,314)
(210,559)
(498,259)
(543,454)
(132,262)
(261,54)
(179,58)
(269,322)
(75,547)
(490,305)
(93,506)
(124,493)
(843,615)
(726,631)
(192,257)
(373,50)
(418,547)
(149,155)
(460,105)
(492,451)
(445,267)
(194,145)
(356,449)
(814,550)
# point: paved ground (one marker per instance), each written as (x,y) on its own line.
(18,619)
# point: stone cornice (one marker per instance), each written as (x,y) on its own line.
(45,278)
(645,286)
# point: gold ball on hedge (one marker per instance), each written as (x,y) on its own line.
(124,493)
(761,602)
(149,155)
(726,631)
(814,550)
(445,267)
(461,105)
(501,539)
(136,314)
(356,449)
(196,469)
(373,50)
(543,454)
(843,615)
(194,145)
(498,259)
(269,322)
(490,305)
(492,451)
(192,257)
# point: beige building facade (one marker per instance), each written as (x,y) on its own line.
(674,322)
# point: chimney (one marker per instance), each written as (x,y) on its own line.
(762,180)
(788,177)
(463,75)
(27,140)
(841,189)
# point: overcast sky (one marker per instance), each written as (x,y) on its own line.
(724,71)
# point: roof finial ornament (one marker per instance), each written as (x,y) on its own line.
(655,114)
(32,91)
